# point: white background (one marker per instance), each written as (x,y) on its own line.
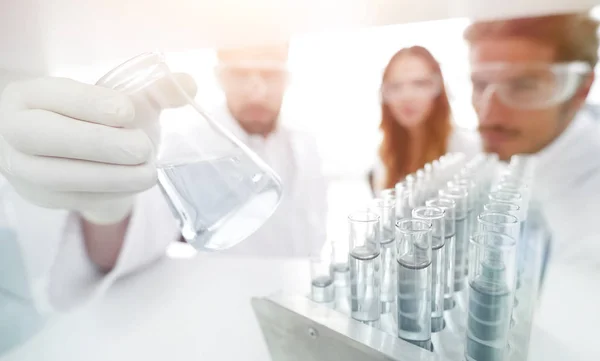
(334,94)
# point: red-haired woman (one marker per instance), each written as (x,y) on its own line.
(416,119)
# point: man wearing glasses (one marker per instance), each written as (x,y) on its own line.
(254,81)
(531,77)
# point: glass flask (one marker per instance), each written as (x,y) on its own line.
(219,191)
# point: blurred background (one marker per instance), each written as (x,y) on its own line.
(334,94)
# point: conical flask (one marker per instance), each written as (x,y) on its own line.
(220,192)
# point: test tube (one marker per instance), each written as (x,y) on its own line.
(504,196)
(436,171)
(412,194)
(499,223)
(449,207)
(523,166)
(406,199)
(420,189)
(472,197)
(340,271)
(413,242)
(522,190)
(436,217)
(398,194)
(322,288)
(514,210)
(390,195)
(459,195)
(505,224)
(492,287)
(508,208)
(429,186)
(385,208)
(488,174)
(340,265)
(365,263)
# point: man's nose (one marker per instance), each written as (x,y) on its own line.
(257,89)
(488,106)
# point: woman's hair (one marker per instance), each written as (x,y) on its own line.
(395,147)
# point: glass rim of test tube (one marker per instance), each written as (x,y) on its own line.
(404,221)
(368,216)
(433,214)
(493,220)
(502,207)
(508,241)
(367,219)
(505,196)
(381,202)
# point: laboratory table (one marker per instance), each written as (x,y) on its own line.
(187,309)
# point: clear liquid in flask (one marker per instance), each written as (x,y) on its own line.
(219,202)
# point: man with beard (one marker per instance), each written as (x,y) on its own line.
(531,77)
(254,81)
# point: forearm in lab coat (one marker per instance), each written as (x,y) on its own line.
(103,243)
(75,278)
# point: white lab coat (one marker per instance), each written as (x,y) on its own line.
(298,226)
(45,271)
(461,141)
(567,191)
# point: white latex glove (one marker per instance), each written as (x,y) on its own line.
(69,145)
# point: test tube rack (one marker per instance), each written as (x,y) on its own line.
(298,329)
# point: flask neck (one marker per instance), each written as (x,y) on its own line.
(136,74)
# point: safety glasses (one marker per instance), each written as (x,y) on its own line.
(245,75)
(528,86)
(423,87)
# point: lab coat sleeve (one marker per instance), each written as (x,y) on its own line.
(73,279)
(570,294)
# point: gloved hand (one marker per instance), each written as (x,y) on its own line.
(69,145)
